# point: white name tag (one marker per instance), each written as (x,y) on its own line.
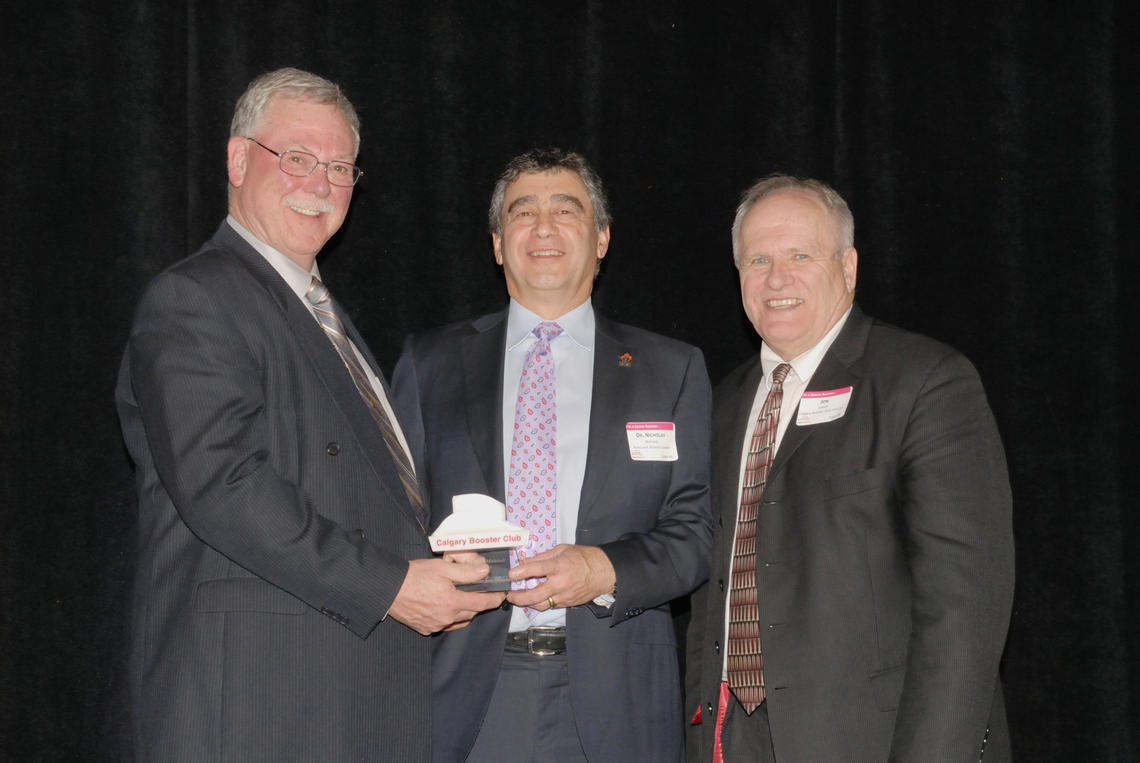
(823,406)
(651,440)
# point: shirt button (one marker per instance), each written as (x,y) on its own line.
(332,448)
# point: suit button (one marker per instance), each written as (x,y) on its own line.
(359,533)
(505,605)
(721,584)
(716,647)
(332,448)
(709,706)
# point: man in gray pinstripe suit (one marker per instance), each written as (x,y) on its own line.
(284,583)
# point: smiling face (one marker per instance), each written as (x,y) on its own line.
(795,281)
(548,247)
(295,215)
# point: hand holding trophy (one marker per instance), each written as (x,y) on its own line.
(478,523)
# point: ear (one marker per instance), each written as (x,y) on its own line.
(237,155)
(850,267)
(603,241)
(497,247)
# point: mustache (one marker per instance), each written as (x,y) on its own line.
(316,205)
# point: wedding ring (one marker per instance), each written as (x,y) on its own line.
(550,601)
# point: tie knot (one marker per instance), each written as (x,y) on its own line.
(780,374)
(547,330)
(318,293)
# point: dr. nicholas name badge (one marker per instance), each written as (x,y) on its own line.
(651,440)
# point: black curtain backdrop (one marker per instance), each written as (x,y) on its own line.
(987,150)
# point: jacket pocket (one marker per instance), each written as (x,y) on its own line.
(246,595)
(886,685)
(861,481)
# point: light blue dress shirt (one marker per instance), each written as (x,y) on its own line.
(573,351)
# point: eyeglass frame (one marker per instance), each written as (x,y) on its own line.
(281,164)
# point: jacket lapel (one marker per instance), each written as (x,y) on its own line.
(327,364)
(483,381)
(367,431)
(610,401)
(738,409)
(834,372)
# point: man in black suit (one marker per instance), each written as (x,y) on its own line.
(861,582)
(276,613)
(584,665)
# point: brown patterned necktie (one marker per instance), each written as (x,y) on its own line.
(318,295)
(745,666)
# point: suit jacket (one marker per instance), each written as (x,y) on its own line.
(884,560)
(274,532)
(650,517)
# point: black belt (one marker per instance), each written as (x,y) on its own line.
(540,640)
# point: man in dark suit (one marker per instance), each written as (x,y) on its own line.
(276,613)
(860,585)
(584,665)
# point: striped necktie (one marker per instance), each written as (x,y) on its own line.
(745,665)
(318,295)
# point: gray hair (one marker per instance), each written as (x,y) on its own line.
(840,213)
(548,160)
(295,84)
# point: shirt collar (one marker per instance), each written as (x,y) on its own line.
(804,364)
(297,277)
(577,325)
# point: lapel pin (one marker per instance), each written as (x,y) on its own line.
(626,360)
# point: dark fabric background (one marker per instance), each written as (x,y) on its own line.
(988,151)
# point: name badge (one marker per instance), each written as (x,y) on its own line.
(823,406)
(651,440)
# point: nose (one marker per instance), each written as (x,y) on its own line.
(544,223)
(780,273)
(317,183)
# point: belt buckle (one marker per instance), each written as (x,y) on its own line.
(540,631)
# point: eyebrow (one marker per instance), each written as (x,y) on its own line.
(563,198)
(568,199)
(529,199)
(307,150)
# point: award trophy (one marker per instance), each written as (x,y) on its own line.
(479,523)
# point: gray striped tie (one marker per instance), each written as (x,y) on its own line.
(318,295)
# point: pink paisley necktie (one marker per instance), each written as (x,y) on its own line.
(745,665)
(531,484)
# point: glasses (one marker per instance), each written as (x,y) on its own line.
(302,163)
